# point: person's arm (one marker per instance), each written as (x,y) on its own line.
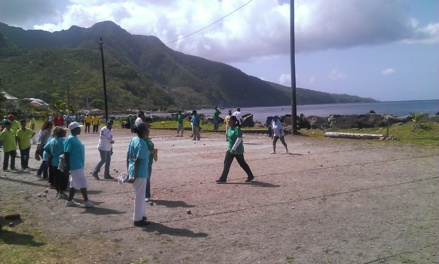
(136,170)
(237,142)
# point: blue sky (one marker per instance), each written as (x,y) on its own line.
(384,49)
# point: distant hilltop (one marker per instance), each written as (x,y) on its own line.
(141,73)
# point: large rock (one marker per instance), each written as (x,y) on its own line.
(317,122)
(247,120)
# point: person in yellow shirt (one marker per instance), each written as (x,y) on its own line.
(87,121)
(23,138)
(7,137)
(226,121)
(15,126)
(32,127)
(95,123)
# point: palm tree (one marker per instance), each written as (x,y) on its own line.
(416,119)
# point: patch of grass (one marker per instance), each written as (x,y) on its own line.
(426,134)
(290,259)
(407,260)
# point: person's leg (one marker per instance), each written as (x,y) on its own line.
(282,139)
(56,179)
(98,166)
(13,154)
(51,176)
(22,157)
(64,180)
(274,143)
(194,132)
(107,164)
(148,183)
(198,133)
(26,159)
(244,166)
(45,170)
(6,160)
(228,159)
(139,203)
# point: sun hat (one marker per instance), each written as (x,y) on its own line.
(74,125)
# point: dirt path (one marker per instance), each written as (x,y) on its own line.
(328,201)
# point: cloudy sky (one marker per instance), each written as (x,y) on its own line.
(384,49)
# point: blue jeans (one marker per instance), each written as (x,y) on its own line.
(105,158)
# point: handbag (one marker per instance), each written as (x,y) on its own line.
(62,166)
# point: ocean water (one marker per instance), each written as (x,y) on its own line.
(398,108)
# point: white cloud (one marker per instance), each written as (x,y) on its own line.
(335,75)
(388,71)
(285,79)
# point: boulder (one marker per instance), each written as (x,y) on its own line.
(316,122)
(247,120)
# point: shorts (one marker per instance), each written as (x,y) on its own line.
(77,179)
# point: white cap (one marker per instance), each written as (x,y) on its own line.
(74,125)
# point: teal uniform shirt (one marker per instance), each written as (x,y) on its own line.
(137,149)
(76,151)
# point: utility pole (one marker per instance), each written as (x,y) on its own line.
(293,71)
(101,44)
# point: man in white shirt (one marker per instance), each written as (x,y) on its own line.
(139,119)
(238,115)
(105,148)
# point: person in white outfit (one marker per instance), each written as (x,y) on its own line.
(105,148)
(238,115)
(277,132)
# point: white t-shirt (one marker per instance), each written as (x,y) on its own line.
(277,129)
(238,116)
(138,121)
(105,139)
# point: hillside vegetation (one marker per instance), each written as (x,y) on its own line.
(141,72)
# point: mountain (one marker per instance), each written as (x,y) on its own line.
(141,72)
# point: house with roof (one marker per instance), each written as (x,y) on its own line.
(11,101)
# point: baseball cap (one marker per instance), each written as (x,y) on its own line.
(74,125)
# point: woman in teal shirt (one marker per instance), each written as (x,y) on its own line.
(235,150)
(137,167)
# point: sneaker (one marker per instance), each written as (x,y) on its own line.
(72,203)
(220,181)
(89,204)
(14,170)
(286,151)
(95,176)
(62,196)
(273,152)
(6,170)
(141,223)
(249,179)
(109,177)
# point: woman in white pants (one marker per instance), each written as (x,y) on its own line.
(137,167)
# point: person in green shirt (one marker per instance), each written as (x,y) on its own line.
(14,123)
(180,124)
(216,114)
(235,150)
(32,127)
(23,138)
(7,137)
(152,157)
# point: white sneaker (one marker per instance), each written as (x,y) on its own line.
(147,199)
(62,196)
(89,204)
(273,152)
(72,203)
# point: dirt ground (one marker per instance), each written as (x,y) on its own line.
(328,201)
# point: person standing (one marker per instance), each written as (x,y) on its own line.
(55,147)
(195,125)
(15,126)
(226,122)
(43,135)
(95,123)
(277,132)
(87,121)
(152,156)
(131,121)
(24,136)
(105,148)
(74,155)
(139,119)
(7,137)
(137,167)
(235,150)
(238,115)
(180,124)
(32,127)
(216,114)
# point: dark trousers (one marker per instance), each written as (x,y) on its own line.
(95,128)
(241,161)
(61,179)
(215,124)
(43,169)
(8,154)
(87,128)
(24,153)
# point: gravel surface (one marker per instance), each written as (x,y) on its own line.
(327,201)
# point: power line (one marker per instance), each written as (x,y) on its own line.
(210,24)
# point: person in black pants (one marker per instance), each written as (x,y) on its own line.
(235,150)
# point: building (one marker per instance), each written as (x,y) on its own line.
(11,101)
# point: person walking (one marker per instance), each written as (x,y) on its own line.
(24,136)
(55,147)
(105,148)
(180,124)
(74,156)
(226,122)
(7,137)
(195,125)
(216,114)
(235,150)
(277,132)
(137,167)
(95,123)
